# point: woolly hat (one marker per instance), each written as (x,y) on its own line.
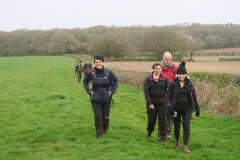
(99,57)
(181,68)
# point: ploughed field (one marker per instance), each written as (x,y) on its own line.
(206,63)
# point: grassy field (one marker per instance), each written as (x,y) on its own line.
(46,114)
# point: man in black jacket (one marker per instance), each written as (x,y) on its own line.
(87,67)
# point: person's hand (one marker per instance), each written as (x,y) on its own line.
(109,93)
(92,93)
(197,114)
(151,107)
(171,111)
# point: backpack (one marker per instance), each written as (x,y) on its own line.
(93,73)
(111,83)
(150,79)
(173,71)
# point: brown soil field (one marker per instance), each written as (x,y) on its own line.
(219,67)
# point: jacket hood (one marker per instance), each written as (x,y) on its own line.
(163,64)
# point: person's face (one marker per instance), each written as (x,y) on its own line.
(87,62)
(181,77)
(157,70)
(98,64)
(167,60)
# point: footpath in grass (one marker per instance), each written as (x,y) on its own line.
(46,114)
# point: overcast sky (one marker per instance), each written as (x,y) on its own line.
(49,14)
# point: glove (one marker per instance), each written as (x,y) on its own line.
(197,114)
(171,111)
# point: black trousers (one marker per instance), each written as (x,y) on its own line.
(101,114)
(160,111)
(186,117)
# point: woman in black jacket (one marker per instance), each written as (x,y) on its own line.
(100,94)
(183,100)
(155,89)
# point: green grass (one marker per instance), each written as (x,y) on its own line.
(46,114)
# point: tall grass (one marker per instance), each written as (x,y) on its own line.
(217,93)
(46,114)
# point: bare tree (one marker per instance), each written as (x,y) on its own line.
(194,44)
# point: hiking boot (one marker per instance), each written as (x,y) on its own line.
(177,145)
(105,131)
(162,141)
(148,135)
(186,149)
(105,128)
(99,134)
(169,136)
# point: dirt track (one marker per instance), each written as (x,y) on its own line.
(220,67)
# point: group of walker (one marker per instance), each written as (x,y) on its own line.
(79,69)
(169,93)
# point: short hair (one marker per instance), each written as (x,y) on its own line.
(156,64)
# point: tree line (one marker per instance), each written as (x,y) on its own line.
(119,42)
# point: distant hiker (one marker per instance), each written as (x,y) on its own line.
(100,94)
(78,70)
(170,70)
(183,100)
(155,89)
(87,67)
(78,59)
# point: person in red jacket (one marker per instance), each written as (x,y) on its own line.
(170,70)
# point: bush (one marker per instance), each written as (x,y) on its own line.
(217,93)
(229,59)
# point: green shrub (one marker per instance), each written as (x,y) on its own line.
(217,93)
(229,59)
(219,79)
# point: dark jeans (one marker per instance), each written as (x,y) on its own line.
(160,111)
(186,117)
(101,114)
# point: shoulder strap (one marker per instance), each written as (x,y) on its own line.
(93,72)
(107,72)
(150,78)
(163,78)
(173,70)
